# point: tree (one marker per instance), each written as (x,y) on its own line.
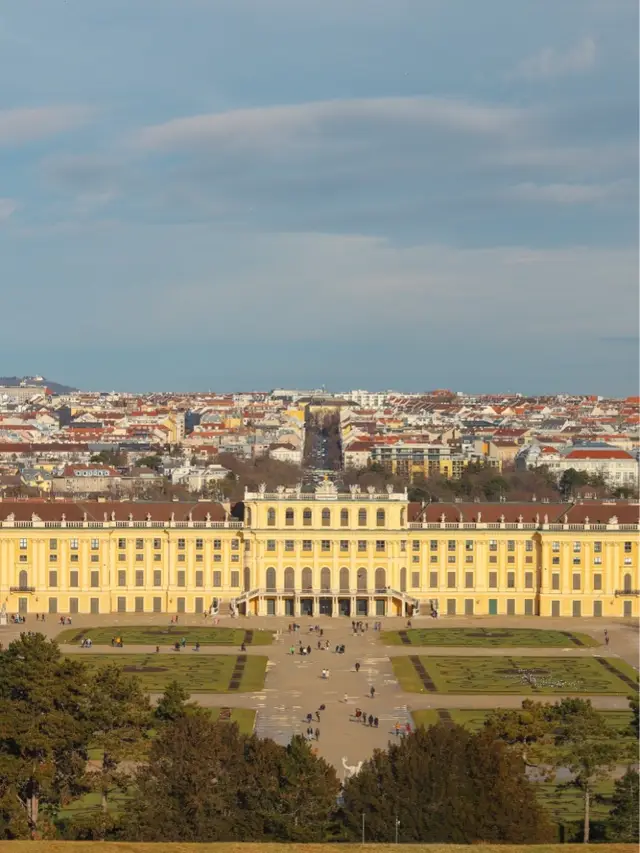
(521,728)
(44,732)
(173,703)
(154,462)
(625,817)
(120,717)
(634,705)
(570,480)
(447,785)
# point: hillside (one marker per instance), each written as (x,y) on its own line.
(56,387)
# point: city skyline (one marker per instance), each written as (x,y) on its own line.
(247,195)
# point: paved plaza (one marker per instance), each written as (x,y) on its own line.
(294,685)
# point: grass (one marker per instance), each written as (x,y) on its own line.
(237,847)
(519,675)
(167,635)
(474,718)
(205,674)
(477,637)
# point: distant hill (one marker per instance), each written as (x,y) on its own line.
(56,387)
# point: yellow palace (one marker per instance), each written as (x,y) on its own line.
(294,553)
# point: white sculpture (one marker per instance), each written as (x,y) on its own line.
(280,490)
(262,488)
(233,608)
(371,490)
(35,517)
(351,769)
(3,614)
(389,489)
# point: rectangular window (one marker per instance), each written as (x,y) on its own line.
(53,558)
(433,558)
(628,547)
(555,547)
(627,561)
(433,579)
(235,579)
(95,579)
(597,561)
(493,580)
(362,545)
(95,544)
(528,545)
(53,605)
(181,578)
(235,545)
(511,607)
(53,544)
(451,607)
(362,518)
(271,544)
(157,544)
(451,558)
(122,578)
(511,545)
(403,544)
(555,581)
(325,546)
(493,544)
(157,605)
(157,558)
(199,578)
(577,608)
(433,545)
(325,518)
(23,558)
(122,604)
(199,544)
(415,580)
(139,558)
(575,584)
(122,544)
(139,604)
(511,580)
(95,558)
(217,579)
(597,582)
(468,580)
(181,544)
(597,547)
(528,560)
(53,578)
(577,547)
(247,546)
(415,546)
(344,518)
(199,558)
(74,558)
(451,545)
(468,545)
(139,543)
(217,558)
(528,607)
(528,580)
(23,544)
(139,577)
(415,558)
(306,518)
(380,545)
(73,579)
(344,544)
(511,559)
(157,577)
(451,580)
(555,561)
(307,545)
(73,544)
(217,544)
(469,558)
(597,608)
(493,558)
(576,561)
(288,544)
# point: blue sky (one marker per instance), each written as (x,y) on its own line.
(239,194)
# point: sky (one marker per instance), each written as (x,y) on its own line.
(249,194)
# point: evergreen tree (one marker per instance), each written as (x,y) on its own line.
(44,733)
(624,819)
(173,703)
(446,785)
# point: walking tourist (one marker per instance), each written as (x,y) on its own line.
(357,667)
(372,692)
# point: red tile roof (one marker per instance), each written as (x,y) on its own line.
(101,510)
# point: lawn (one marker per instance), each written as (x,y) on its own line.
(165,635)
(237,847)
(474,718)
(519,675)
(198,674)
(477,637)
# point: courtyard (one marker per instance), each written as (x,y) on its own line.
(159,635)
(197,674)
(530,638)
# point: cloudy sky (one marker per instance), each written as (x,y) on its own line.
(246,194)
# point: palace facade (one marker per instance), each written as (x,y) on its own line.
(293,553)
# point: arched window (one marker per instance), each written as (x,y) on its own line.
(380,518)
(247,578)
(325,579)
(23,579)
(247,516)
(402,517)
(326,518)
(381,580)
(271,579)
(362,518)
(306,517)
(362,580)
(289,517)
(307,582)
(344,518)
(626,583)
(289,580)
(403,579)
(271,517)
(345,585)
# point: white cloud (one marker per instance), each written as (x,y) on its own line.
(567,194)
(550,63)
(254,127)
(18,126)
(7,207)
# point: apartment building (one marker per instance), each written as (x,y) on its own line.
(293,553)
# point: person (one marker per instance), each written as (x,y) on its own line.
(606,637)
(309,717)
(322,708)
(317,734)
(42,618)
(292,650)
(319,645)
(322,632)
(397,728)
(243,647)
(113,642)
(318,716)
(358,713)
(337,650)
(183,642)
(375,722)
(346,698)
(407,728)
(370,720)
(157,650)
(308,650)
(176,646)
(372,691)
(357,667)
(196,648)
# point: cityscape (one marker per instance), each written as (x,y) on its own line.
(319,426)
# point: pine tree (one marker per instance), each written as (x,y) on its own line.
(624,819)
(173,703)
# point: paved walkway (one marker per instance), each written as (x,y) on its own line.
(294,686)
